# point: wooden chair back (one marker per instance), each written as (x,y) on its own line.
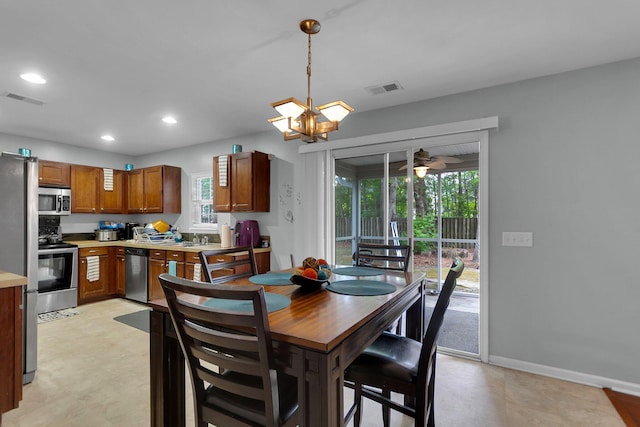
(238,343)
(389,257)
(224,265)
(425,387)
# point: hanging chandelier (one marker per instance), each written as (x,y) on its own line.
(299,120)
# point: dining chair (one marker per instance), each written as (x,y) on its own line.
(245,388)
(224,265)
(389,257)
(394,363)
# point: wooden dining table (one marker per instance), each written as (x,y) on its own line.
(315,338)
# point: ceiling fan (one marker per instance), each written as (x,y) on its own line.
(422,162)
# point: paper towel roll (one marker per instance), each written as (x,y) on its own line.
(225,236)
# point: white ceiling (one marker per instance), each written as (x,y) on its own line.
(118,66)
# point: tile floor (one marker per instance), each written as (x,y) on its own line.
(93,371)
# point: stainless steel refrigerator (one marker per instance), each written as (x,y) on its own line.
(19,249)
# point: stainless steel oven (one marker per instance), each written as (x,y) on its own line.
(57,277)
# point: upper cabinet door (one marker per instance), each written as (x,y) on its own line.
(54,174)
(153,189)
(135,196)
(114,201)
(221,194)
(84,189)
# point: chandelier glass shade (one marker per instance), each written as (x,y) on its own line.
(298,120)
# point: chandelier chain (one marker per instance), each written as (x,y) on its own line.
(309,73)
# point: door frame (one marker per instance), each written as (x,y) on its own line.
(438,135)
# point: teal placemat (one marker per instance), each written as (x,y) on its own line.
(274,302)
(273,279)
(358,271)
(361,287)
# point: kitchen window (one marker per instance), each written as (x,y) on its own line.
(202,214)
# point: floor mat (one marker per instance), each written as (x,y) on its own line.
(138,320)
(55,315)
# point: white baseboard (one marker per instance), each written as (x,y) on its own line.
(566,375)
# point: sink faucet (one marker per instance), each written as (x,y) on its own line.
(196,240)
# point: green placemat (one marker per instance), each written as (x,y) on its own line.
(361,287)
(274,302)
(357,271)
(273,279)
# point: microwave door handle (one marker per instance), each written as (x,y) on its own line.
(59,204)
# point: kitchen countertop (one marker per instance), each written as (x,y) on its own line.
(160,246)
(10,280)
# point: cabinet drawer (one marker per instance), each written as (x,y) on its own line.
(93,251)
(192,257)
(175,256)
(156,254)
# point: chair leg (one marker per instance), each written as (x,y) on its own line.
(431,389)
(357,400)
(386,410)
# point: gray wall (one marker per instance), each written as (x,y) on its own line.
(561,165)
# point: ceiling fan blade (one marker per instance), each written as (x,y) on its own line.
(403,167)
(436,164)
(447,159)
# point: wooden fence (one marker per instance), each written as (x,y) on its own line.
(452,228)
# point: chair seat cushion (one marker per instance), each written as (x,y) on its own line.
(390,356)
(251,409)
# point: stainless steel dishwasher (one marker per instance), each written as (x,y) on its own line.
(136,262)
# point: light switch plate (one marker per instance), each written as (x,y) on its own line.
(517,238)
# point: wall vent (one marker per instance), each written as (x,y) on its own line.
(384,88)
(23,98)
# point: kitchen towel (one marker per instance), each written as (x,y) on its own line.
(222,170)
(108,179)
(225,236)
(172,268)
(196,272)
(93,268)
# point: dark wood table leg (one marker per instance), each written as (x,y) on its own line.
(324,376)
(415,328)
(167,378)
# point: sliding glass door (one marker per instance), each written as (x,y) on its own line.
(377,201)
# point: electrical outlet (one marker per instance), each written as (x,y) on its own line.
(517,238)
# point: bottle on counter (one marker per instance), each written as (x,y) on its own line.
(177,236)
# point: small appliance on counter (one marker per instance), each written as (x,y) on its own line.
(247,233)
(109,231)
(128,230)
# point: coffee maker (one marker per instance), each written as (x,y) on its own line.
(128,229)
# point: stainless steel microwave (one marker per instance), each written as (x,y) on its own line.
(54,201)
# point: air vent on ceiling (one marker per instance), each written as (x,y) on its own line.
(384,88)
(23,98)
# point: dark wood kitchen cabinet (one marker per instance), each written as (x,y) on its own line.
(113,201)
(88,194)
(84,189)
(155,189)
(54,174)
(96,289)
(10,347)
(158,264)
(248,183)
(119,273)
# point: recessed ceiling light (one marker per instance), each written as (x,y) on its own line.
(169,120)
(108,138)
(33,78)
